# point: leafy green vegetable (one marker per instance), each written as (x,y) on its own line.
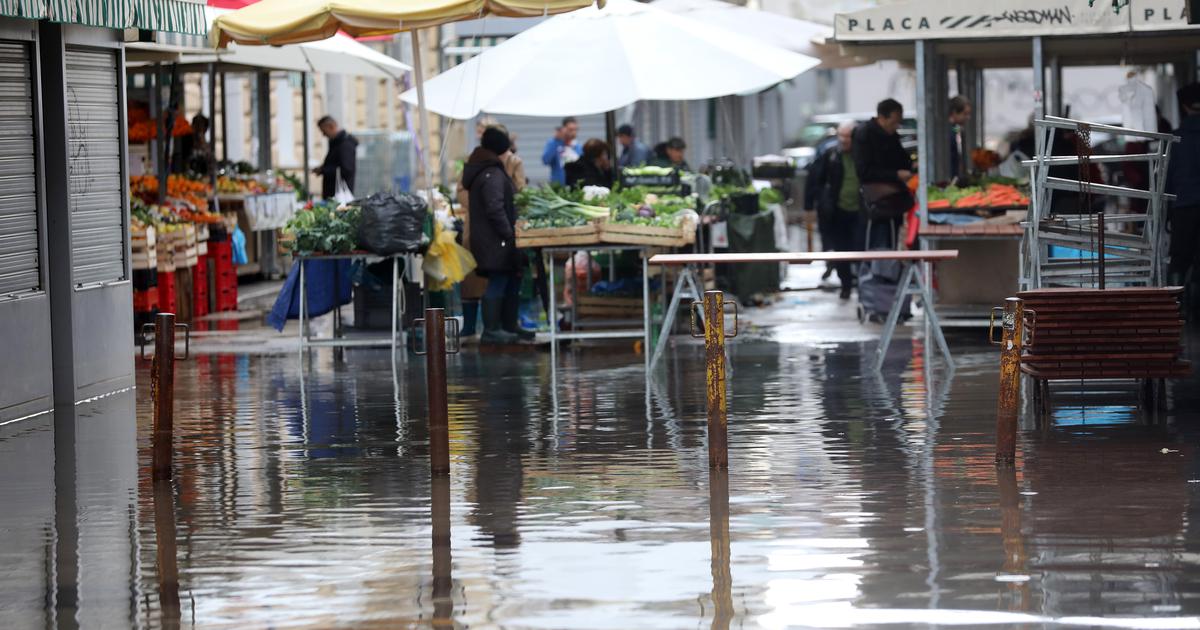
(549,206)
(324,229)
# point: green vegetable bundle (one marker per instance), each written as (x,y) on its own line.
(546,206)
(324,229)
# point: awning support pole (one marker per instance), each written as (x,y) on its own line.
(306,125)
(1039,79)
(422,113)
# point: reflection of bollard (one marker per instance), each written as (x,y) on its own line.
(1011,537)
(443,602)
(718,534)
(714,351)
(1011,342)
(435,377)
(162,389)
(165,553)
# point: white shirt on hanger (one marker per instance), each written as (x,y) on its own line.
(1137,105)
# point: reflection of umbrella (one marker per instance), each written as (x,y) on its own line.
(795,35)
(278,22)
(599,60)
(340,54)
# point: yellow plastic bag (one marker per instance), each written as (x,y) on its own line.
(446,262)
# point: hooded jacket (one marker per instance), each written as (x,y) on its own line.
(493,215)
(878,155)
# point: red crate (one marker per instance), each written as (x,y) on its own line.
(166,291)
(145,301)
(200,287)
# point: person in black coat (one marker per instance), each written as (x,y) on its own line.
(880,158)
(834,190)
(342,158)
(493,219)
(594,168)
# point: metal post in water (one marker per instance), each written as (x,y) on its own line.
(162,387)
(443,582)
(435,376)
(1010,381)
(166,554)
(718,534)
(1100,253)
(714,352)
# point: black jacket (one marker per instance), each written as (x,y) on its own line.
(1183,173)
(493,215)
(342,156)
(585,173)
(824,181)
(878,154)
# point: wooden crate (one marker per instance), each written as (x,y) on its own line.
(555,237)
(627,234)
(143,250)
(609,307)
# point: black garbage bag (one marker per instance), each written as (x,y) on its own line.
(392,222)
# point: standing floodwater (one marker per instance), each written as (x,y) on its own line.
(302,498)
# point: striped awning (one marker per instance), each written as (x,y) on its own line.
(173,16)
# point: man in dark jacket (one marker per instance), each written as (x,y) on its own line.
(836,192)
(493,219)
(341,160)
(880,158)
(1183,181)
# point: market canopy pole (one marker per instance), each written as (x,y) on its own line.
(423,114)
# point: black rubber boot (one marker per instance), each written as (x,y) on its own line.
(493,324)
(511,322)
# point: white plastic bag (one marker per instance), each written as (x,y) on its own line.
(342,193)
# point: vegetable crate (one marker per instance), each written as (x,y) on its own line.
(554,237)
(144,254)
(609,307)
(630,234)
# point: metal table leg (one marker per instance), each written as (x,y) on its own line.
(303,309)
(396,288)
(553,308)
(931,316)
(646,309)
(894,316)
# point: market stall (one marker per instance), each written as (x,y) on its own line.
(239,206)
(967,38)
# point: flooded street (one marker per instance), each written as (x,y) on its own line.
(302,498)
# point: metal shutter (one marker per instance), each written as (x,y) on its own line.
(19,244)
(94,126)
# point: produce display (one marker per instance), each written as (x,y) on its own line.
(144,129)
(989,194)
(555,206)
(324,227)
(239,186)
(187,200)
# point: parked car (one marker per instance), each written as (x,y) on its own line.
(805,147)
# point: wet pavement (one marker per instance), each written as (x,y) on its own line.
(580,496)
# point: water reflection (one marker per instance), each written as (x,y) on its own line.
(303,498)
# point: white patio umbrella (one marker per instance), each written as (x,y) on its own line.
(338,54)
(801,36)
(599,60)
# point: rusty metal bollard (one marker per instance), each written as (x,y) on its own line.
(718,534)
(714,351)
(162,389)
(1011,343)
(435,378)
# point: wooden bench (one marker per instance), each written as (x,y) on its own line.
(1090,334)
(913,282)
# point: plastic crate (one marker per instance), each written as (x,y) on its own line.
(200,305)
(166,291)
(145,300)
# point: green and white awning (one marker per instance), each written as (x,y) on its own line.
(173,16)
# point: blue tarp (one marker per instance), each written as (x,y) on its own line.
(329,286)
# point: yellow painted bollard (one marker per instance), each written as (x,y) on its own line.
(714,352)
(1008,402)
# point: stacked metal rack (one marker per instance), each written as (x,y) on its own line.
(1126,258)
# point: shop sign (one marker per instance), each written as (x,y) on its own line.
(973,19)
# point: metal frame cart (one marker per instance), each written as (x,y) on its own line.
(397,337)
(646,330)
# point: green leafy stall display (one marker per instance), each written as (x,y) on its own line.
(553,216)
(324,228)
